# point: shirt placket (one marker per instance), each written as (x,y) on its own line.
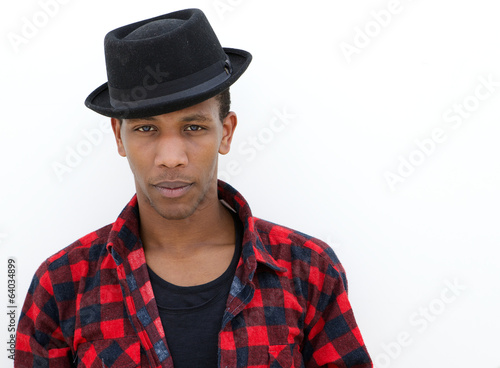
(144,324)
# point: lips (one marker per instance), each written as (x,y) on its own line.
(172,184)
(172,189)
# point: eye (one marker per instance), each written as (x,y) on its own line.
(194,128)
(145,128)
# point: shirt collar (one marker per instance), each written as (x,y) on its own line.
(124,237)
(254,251)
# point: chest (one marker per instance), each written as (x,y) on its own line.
(268,332)
(268,328)
(191,269)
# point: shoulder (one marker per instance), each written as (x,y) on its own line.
(292,245)
(77,260)
(87,248)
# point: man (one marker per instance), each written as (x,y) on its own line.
(186,276)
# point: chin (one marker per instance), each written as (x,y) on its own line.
(175,214)
(173,211)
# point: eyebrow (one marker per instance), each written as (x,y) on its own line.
(184,119)
(195,117)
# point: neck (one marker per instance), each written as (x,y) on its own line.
(209,226)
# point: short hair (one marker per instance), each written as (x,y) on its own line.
(224,100)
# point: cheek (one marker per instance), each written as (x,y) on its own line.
(212,155)
(133,165)
(138,159)
(203,161)
(203,151)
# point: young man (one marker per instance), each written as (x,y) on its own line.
(186,276)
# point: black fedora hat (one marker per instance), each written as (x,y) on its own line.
(164,64)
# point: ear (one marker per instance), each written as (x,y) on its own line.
(228,126)
(116,125)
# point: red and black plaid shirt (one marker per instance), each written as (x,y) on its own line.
(91,305)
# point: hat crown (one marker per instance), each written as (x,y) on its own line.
(153,29)
(175,47)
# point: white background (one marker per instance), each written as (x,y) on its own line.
(356,117)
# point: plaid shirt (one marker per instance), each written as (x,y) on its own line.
(91,305)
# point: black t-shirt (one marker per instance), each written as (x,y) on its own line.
(192,316)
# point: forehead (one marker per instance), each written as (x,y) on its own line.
(207,110)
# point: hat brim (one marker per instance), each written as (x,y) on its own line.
(99,99)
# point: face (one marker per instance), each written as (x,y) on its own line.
(174,158)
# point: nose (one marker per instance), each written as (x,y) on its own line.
(171,152)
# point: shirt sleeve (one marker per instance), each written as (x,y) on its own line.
(39,338)
(332,337)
